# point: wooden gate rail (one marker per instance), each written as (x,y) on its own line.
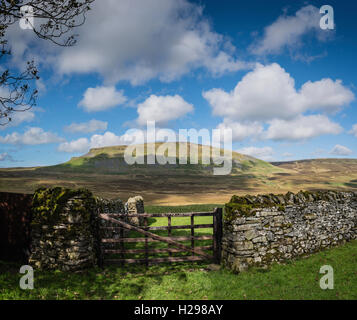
(196,226)
(154,236)
(164,250)
(161,215)
(172,241)
(155,260)
(181,238)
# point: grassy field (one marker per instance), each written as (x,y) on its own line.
(298,279)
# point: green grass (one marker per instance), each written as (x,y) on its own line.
(299,279)
(186,208)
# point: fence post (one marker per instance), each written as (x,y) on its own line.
(217,234)
(122,244)
(100,249)
(169,232)
(192,231)
(146,243)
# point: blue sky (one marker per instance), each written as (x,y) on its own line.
(266,69)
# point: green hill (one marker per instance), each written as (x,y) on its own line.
(105,172)
(111,160)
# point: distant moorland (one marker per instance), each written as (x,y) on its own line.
(105,172)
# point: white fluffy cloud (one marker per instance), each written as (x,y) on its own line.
(268,92)
(354,130)
(137,40)
(162,109)
(33,136)
(101,98)
(326,95)
(288,31)
(301,128)
(132,136)
(265,153)
(267,96)
(339,150)
(76,146)
(87,127)
(96,141)
(241,131)
(105,140)
(20,117)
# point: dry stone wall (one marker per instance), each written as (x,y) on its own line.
(135,205)
(66,229)
(260,230)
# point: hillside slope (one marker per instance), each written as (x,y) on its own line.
(332,173)
(111,160)
(104,171)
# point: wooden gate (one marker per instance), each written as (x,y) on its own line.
(114,250)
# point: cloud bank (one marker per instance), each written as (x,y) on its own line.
(267,96)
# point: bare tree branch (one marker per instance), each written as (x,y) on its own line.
(53,21)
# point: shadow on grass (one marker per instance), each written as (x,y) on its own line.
(298,279)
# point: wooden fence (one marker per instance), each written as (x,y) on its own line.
(198,253)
